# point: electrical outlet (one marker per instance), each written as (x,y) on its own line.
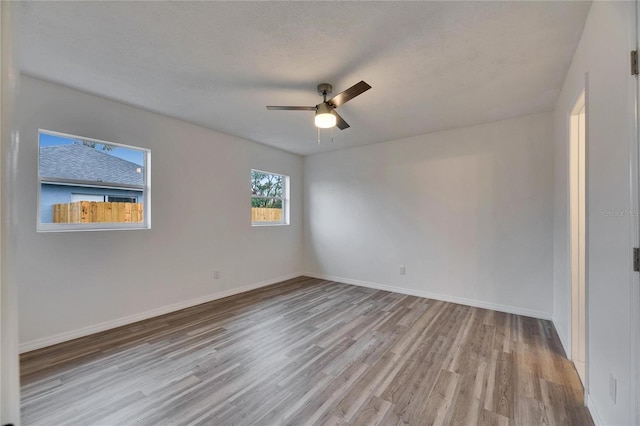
(613,387)
(403,270)
(216,275)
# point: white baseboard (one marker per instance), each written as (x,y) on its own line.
(597,420)
(443,297)
(107,325)
(563,339)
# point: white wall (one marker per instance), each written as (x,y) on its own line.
(468,211)
(81,282)
(603,53)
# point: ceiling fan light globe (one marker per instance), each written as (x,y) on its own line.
(325,120)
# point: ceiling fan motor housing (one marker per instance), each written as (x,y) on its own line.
(324,89)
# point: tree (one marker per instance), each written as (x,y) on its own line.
(103,147)
(266,185)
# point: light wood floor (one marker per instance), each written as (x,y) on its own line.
(308,351)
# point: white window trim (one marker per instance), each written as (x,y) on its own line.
(102,226)
(285,201)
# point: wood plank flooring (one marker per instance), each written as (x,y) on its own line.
(309,352)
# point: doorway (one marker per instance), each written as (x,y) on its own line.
(577,193)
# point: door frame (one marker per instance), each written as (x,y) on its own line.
(634,224)
(9,359)
(577,171)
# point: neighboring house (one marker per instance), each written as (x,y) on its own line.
(80,173)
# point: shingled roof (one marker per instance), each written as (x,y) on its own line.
(79,162)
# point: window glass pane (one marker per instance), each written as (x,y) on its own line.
(266,184)
(84,181)
(77,159)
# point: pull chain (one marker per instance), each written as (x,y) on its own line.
(332,140)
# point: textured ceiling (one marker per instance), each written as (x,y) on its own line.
(432,65)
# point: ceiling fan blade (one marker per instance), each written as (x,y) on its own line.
(340,123)
(349,94)
(291,108)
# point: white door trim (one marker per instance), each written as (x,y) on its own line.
(9,362)
(586,383)
(634,222)
(577,243)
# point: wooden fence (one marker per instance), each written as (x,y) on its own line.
(261,214)
(92,211)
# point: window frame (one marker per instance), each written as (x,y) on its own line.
(95,226)
(284,199)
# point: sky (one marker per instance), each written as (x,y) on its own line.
(131,155)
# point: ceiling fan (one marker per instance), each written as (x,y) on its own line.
(326,116)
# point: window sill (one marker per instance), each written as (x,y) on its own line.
(260,225)
(77,227)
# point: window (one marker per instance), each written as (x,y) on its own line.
(88,184)
(121,199)
(269,198)
(86,197)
